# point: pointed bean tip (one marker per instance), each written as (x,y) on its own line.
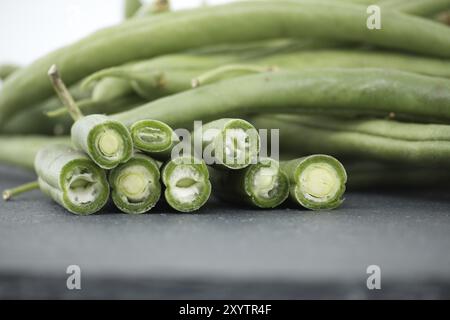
(195,83)
(6,195)
(53,70)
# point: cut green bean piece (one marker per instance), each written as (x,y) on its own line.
(136,186)
(262,185)
(228,143)
(107,141)
(70,178)
(187,183)
(317,182)
(154,138)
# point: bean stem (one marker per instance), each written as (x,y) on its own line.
(64,93)
(10,193)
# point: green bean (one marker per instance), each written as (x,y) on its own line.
(21,150)
(227,143)
(240,22)
(35,120)
(7,69)
(153,137)
(71,179)
(90,106)
(339,91)
(135,185)
(416,7)
(317,181)
(262,185)
(131,7)
(373,175)
(106,141)
(187,183)
(109,89)
(383,140)
(152,82)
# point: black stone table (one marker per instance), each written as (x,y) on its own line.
(228,252)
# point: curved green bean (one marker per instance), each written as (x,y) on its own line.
(239,22)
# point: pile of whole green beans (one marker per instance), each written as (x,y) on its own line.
(123,124)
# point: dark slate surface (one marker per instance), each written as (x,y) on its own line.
(226,252)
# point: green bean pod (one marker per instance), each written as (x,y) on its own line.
(231,23)
(317,182)
(154,137)
(154,79)
(227,143)
(375,175)
(71,179)
(22,150)
(368,139)
(416,7)
(107,142)
(109,89)
(131,7)
(135,185)
(91,106)
(187,183)
(7,69)
(336,91)
(35,121)
(261,185)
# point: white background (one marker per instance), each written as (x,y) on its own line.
(32,28)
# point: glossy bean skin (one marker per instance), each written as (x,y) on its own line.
(241,22)
(388,141)
(334,91)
